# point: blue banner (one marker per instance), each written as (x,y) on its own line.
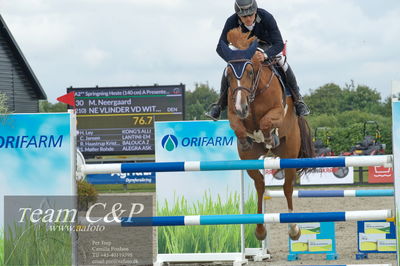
(122,178)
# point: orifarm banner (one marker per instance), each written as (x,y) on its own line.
(35,155)
(36,160)
(197,193)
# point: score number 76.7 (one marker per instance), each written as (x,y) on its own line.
(142,120)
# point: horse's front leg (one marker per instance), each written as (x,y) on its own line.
(240,132)
(273,119)
(259,183)
(290,177)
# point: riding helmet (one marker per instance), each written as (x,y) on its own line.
(245,7)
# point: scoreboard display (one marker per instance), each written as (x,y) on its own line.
(120,120)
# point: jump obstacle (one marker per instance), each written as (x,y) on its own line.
(359,161)
(276,163)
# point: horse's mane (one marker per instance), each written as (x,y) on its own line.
(240,39)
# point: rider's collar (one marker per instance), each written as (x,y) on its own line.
(251,27)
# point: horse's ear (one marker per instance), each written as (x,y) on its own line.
(253,47)
(251,50)
(226,51)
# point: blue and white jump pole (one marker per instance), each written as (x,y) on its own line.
(332,193)
(355,161)
(257,218)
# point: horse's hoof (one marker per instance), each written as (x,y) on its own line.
(261,235)
(295,235)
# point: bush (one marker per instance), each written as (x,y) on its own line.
(87,194)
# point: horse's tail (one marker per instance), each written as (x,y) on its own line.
(307,146)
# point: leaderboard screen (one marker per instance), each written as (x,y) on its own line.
(120,120)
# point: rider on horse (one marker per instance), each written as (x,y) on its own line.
(270,44)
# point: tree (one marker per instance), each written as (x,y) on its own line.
(344,111)
(331,99)
(387,107)
(363,98)
(325,99)
(198,101)
(47,107)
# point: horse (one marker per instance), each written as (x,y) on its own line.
(263,118)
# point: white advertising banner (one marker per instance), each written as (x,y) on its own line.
(330,175)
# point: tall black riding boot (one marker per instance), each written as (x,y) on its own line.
(301,108)
(216,108)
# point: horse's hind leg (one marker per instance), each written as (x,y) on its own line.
(290,177)
(259,183)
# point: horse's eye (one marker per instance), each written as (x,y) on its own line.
(251,73)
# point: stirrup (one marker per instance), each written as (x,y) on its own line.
(216,115)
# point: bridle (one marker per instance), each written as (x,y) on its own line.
(253,91)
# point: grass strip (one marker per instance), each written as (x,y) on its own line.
(34,244)
(209,238)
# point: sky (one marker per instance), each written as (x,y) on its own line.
(84,43)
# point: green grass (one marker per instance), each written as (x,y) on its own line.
(357,174)
(33,244)
(1,247)
(205,239)
(129,188)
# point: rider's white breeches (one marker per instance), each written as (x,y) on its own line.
(282,61)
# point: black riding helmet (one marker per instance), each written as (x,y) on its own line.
(245,7)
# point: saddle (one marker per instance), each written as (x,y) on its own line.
(278,71)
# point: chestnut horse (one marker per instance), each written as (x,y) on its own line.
(263,119)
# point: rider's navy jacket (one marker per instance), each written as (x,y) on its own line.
(265,29)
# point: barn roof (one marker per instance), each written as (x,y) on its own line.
(22,60)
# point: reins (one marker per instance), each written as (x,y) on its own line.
(254,90)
